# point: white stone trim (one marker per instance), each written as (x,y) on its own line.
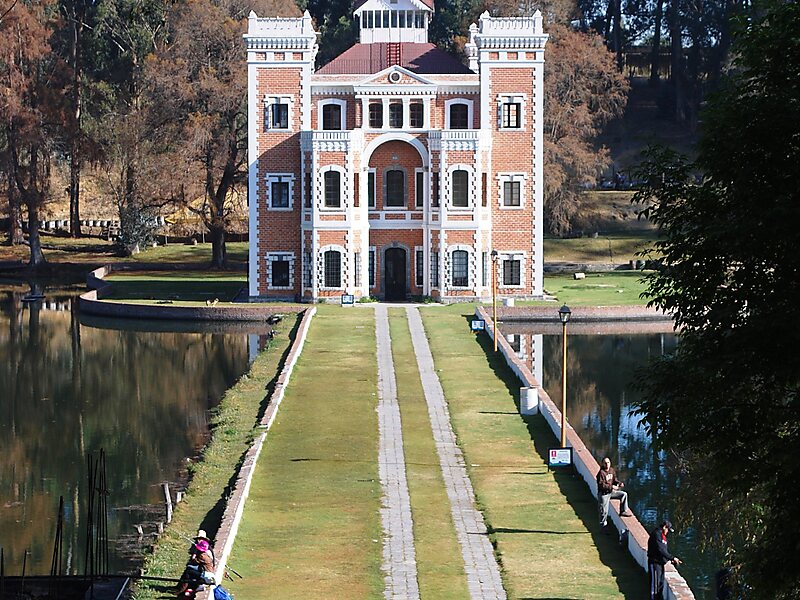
(269,101)
(280,256)
(342,117)
(470,111)
(471,188)
(343,264)
(521,256)
(276,178)
(448,267)
(503,178)
(343,178)
(512,98)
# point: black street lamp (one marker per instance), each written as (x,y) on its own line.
(564,314)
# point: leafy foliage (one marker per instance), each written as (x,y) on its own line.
(728,401)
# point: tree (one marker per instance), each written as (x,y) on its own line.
(31,84)
(727,402)
(583,90)
(197,88)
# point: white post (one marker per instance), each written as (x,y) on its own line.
(528,401)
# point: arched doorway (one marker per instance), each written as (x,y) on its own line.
(395,274)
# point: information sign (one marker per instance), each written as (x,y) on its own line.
(559,457)
(348,299)
(478,325)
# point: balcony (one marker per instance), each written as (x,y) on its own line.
(326,141)
(455,139)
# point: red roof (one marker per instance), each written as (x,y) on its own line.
(372,58)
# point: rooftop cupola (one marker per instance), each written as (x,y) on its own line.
(393,21)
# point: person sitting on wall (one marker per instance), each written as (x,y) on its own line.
(608,488)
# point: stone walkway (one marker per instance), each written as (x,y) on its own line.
(399,559)
(483,573)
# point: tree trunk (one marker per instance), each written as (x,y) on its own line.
(219,253)
(617,33)
(14,213)
(37,258)
(656,50)
(75,158)
(677,61)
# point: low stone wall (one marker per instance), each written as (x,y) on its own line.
(234,508)
(92,303)
(579,313)
(585,463)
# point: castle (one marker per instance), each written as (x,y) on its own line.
(395,170)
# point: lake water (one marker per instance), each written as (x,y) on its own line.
(601,363)
(70,386)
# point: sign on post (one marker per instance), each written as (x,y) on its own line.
(348,299)
(559,457)
(477,325)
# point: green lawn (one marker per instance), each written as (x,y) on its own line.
(233,431)
(544,524)
(184,286)
(617,248)
(440,566)
(598,289)
(311,525)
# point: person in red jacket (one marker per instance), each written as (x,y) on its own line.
(657,556)
(608,487)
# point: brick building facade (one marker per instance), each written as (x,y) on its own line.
(395,170)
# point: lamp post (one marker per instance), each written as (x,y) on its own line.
(564,314)
(494,297)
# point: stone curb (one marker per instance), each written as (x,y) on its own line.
(234,507)
(585,463)
(92,303)
(579,314)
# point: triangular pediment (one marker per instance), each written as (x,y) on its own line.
(395,76)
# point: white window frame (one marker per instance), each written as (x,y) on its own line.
(342,266)
(502,179)
(470,187)
(407,205)
(449,267)
(269,100)
(280,256)
(470,114)
(503,99)
(342,200)
(343,117)
(503,256)
(277,178)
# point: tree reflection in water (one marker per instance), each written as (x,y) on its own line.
(67,389)
(601,366)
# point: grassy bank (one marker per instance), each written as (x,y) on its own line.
(617,248)
(187,286)
(233,430)
(544,524)
(619,288)
(311,525)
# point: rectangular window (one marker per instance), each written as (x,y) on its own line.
(394,16)
(395,188)
(511,272)
(368,14)
(386,19)
(511,115)
(484,268)
(371,189)
(416,115)
(308,190)
(333,269)
(460,181)
(511,195)
(435,190)
(308,269)
(460,268)
(356,269)
(419,265)
(419,20)
(419,189)
(280,273)
(435,269)
(332,117)
(333,189)
(484,190)
(279,116)
(279,194)
(396,115)
(459,116)
(372,268)
(376,115)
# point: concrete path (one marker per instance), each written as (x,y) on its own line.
(399,559)
(483,573)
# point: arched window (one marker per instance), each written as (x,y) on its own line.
(460,268)
(460,188)
(333,189)
(395,188)
(333,268)
(331,117)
